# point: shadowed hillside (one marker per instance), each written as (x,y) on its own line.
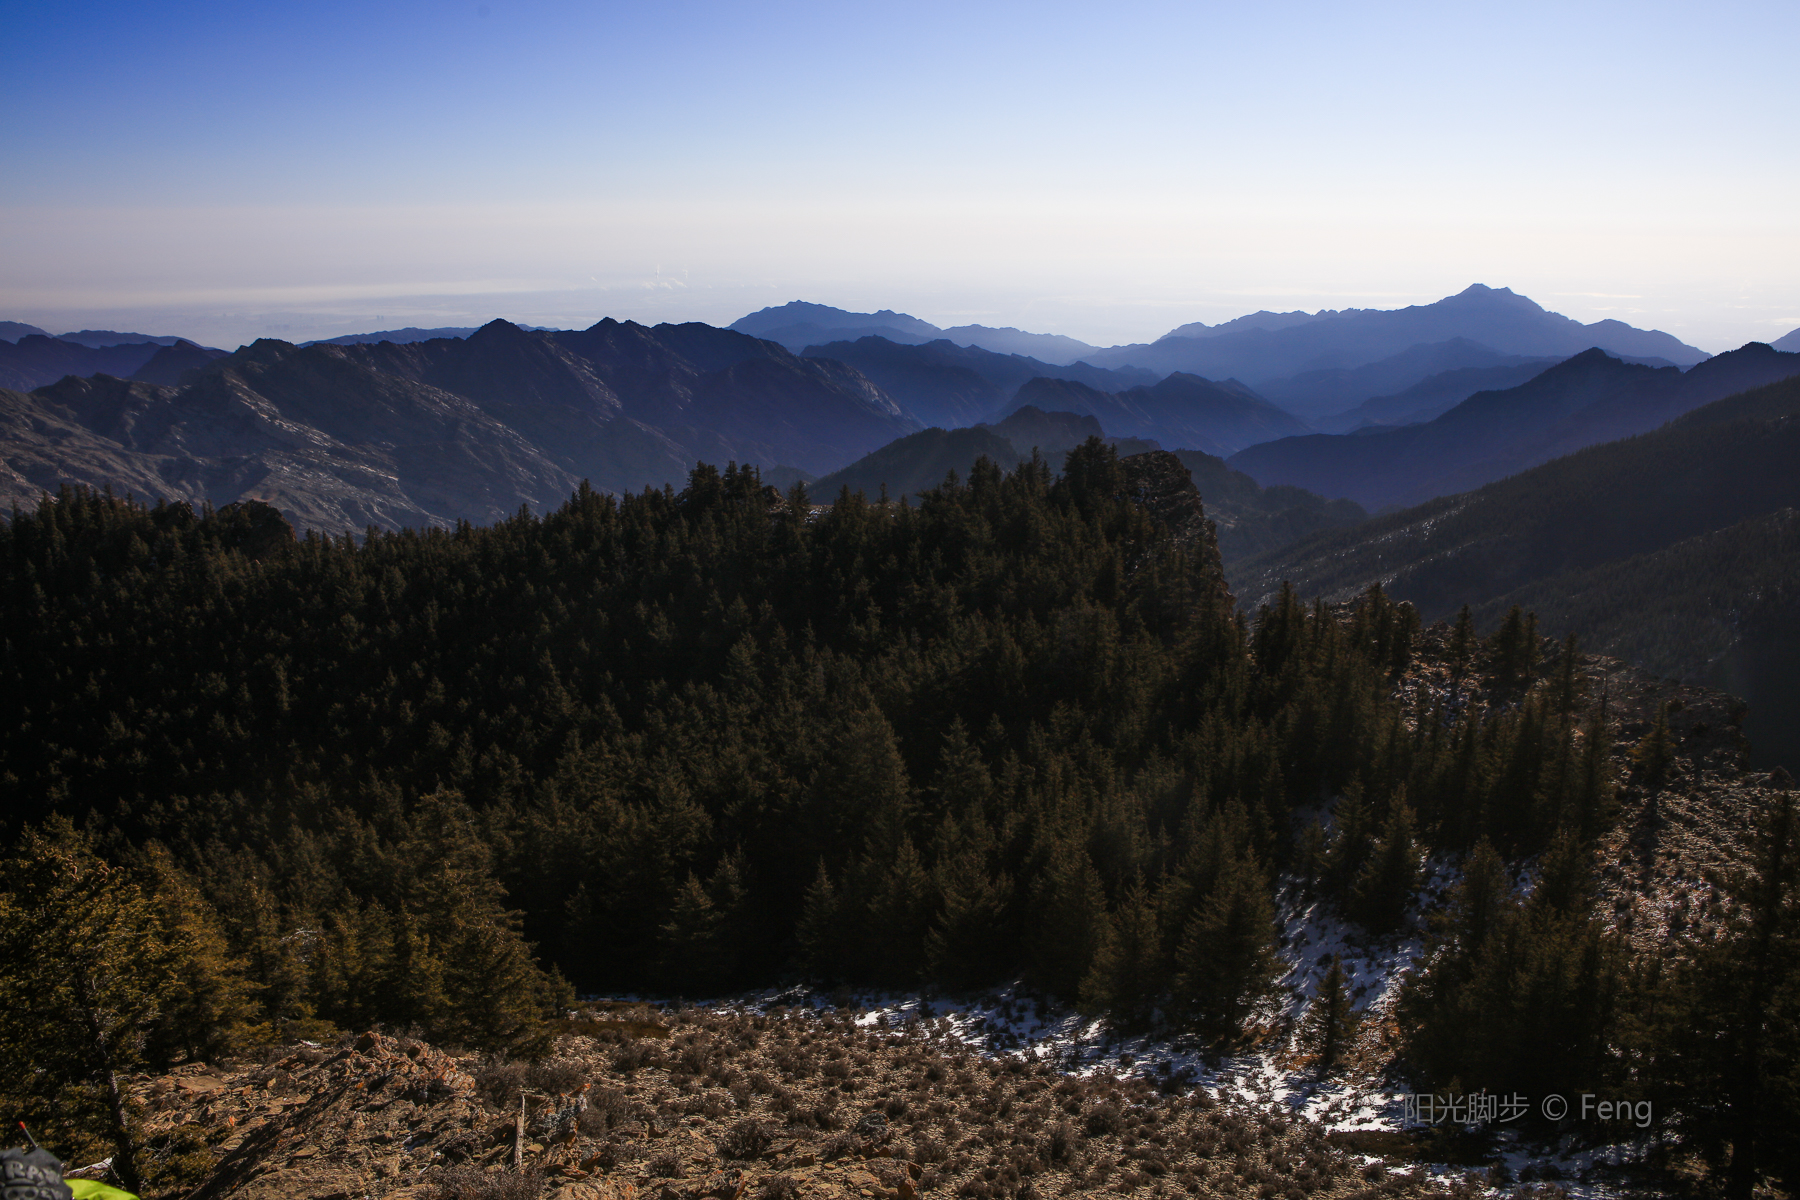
(1671,548)
(1584,400)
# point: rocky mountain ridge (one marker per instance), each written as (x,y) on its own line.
(429,433)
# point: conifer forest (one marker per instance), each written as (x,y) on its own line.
(689,742)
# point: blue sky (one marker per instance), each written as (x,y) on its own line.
(233,170)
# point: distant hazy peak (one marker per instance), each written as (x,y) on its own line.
(1591,360)
(95,339)
(1482,293)
(12,331)
(804,312)
(1788,341)
(1261,319)
(1049,347)
(1476,295)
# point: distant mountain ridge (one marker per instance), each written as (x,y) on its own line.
(1433,396)
(96,339)
(1315,365)
(1180,410)
(1495,318)
(411,333)
(921,461)
(941,383)
(37,359)
(799,324)
(431,432)
(1581,401)
(1330,391)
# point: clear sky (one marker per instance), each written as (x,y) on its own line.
(230,170)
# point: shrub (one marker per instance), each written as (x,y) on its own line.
(498,1080)
(748,1138)
(779,1187)
(468,1183)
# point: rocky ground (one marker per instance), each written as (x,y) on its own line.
(726,1104)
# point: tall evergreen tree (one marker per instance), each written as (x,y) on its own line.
(1069,919)
(84,975)
(1386,883)
(1655,753)
(1226,959)
(1331,1017)
(1127,976)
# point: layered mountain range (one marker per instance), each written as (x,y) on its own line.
(1592,397)
(942,383)
(411,426)
(1181,410)
(799,324)
(447,429)
(36,359)
(1318,366)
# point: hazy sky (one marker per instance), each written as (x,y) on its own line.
(232,170)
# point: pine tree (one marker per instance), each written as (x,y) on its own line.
(898,900)
(1655,753)
(1481,898)
(1385,886)
(1564,883)
(1352,838)
(1069,920)
(1226,959)
(820,931)
(970,934)
(1127,976)
(1596,800)
(210,1011)
(1330,1018)
(1728,1044)
(692,953)
(453,925)
(1515,647)
(1568,676)
(84,974)
(1463,641)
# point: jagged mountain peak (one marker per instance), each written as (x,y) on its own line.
(1481,291)
(499,330)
